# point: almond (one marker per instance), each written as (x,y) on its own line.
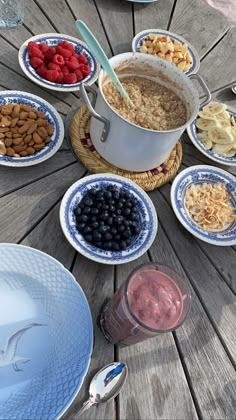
(39,146)
(41,122)
(32,115)
(14,122)
(5,122)
(28,138)
(40,114)
(19,148)
(3,129)
(26,108)
(23,115)
(8,134)
(10,151)
(50,129)
(42,132)
(24,128)
(30,150)
(17,141)
(23,153)
(32,128)
(8,142)
(48,139)
(2,135)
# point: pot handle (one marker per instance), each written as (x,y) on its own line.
(94,113)
(204,88)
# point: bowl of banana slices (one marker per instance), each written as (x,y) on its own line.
(213,132)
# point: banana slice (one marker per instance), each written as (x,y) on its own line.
(206,124)
(214,108)
(233,145)
(208,144)
(224,115)
(206,116)
(233,122)
(224,123)
(230,153)
(221,148)
(203,135)
(220,135)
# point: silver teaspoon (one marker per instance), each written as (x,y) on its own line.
(106,384)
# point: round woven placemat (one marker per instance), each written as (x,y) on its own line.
(86,152)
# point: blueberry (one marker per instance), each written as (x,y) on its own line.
(126,223)
(103,228)
(108,194)
(127,234)
(99,205)
(128,204)
(99,244)
(116,196)
(87,210)
(126,211)
(117,237)
(119,220)
(88,237)
(92,192)
(115,246)
(123,245)
(107,245)
(113,230)
(93,219)
(88,202)
(81,226)
(136,230)
(134,216)
(105,206)
(104,215)
(97,236)
(107,236)
(94,225)
(119,205)
(78,211)
(100,196)
(112,209)
(110,221)
(121,228)
(87,229)
(127,195)
(82,218)
(118,212)
(94,211)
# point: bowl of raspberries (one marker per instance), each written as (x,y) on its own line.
(58,62)
(108,218)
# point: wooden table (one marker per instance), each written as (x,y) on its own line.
(188,374)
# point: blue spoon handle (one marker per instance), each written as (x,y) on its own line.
(97,50)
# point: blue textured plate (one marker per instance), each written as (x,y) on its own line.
(147,213)
(16,97)
(142,35)
(52,39)
(46,335)
(197,175)
(192,132)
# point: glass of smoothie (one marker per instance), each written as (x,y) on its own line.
(153,300)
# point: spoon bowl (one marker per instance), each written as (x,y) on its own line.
(106,384)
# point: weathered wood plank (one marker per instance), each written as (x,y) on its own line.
(14,178)
(23,209)
(86,11)
(211,375)
(48,237)
(191,161)
(153,15)
(16,36)
(223,59)
(97,281)
(12,81)
(117,19)
(217,297)
(156,386)
(199,23)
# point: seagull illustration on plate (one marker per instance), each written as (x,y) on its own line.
(8,357)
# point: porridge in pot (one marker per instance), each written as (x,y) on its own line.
(155,106)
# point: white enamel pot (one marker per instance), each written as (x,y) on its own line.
(125,144)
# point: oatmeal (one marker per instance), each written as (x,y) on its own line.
(155,106)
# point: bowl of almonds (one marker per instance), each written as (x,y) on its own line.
(31,130)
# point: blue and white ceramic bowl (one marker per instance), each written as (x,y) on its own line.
(53,39)
(137,41)
(196,175)
(192,132)
(16,97)
(46,335)
(147,213)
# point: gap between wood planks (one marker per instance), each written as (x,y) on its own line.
(216,43)
(215,327)
(46,212)
(103,27)
(171,15)
(45,14)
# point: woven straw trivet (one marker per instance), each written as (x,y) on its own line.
(85,151)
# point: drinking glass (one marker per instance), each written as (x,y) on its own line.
(11,13)
(153,300)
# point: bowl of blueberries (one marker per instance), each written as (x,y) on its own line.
(108,218)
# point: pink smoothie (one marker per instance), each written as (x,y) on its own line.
(155,299)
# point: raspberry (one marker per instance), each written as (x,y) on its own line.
(79,75)
(60,78)
(35,52)
(48,56)
(70,78)
(52,75)
(53,66)
(62,51)
(82,59)
(65,70)
(85,69)
(31,45)
(42,70)
(73,64)
(67,46)
(43,47)
(36,62)
(58,59)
